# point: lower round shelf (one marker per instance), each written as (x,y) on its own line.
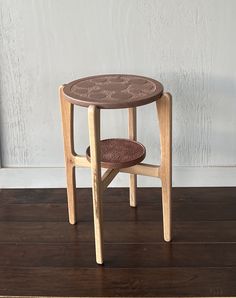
(120,153)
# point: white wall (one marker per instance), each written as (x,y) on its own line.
(189,45)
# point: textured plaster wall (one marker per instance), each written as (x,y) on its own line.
(189,45)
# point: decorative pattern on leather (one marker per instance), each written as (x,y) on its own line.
(113,88)
(117,153)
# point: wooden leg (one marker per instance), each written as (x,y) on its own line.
(164,108)
(71,193)
(132,130)
(67,111)
(94,137)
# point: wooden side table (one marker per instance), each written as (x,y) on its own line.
(116,155)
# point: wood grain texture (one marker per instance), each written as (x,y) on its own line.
(164,111)
(108,176)
(121,255)
(132,132)
(42,255)
(67,112)
(124,283)
(97,187)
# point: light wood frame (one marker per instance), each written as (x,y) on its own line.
(100,183)
(132,131)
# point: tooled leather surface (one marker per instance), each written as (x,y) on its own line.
(111,88)
(120,150)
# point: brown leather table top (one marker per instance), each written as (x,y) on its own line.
(120,153)
(113,91)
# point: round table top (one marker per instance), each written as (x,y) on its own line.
(113,91)
(120,153)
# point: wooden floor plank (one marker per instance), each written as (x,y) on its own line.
(112,282)
(119,211)
(53,195)
(189,209)
(118,255)
(117,232)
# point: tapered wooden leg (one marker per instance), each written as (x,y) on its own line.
(94,137)
(164,108)
(67,111)
(132,130)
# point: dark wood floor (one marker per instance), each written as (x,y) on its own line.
(42,255)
